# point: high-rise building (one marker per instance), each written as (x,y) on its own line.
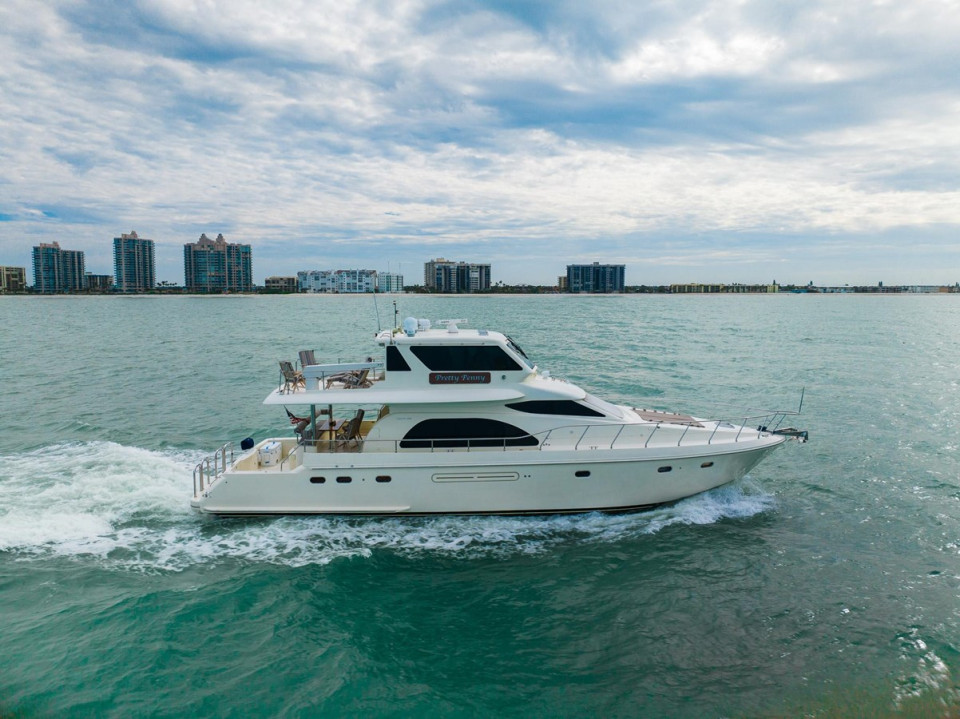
(448,276)
(133,263)
(595,278)
(212,266)
(13,279)
(56,270)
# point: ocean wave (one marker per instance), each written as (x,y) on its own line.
(128,508)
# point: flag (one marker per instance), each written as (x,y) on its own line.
(294,419)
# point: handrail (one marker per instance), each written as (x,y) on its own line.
(290,455)
(580,437)
(655,428)
(204,475)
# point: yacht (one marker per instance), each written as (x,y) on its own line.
(450,420)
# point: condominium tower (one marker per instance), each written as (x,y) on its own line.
(595,278)
(449,276)
(56,270)
(211,266)
(133,263)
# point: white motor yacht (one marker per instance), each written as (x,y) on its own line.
(459,421)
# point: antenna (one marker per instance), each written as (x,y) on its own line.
(376,309)
(395,314)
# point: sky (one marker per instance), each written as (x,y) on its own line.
(692,141)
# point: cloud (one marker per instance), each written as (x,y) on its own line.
(485,131)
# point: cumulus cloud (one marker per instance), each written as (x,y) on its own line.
(705,135)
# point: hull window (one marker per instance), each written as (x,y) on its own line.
(344,480)
(667,468)
(317,480)
(582,473)
(465,432)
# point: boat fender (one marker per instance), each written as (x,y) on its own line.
(247,444)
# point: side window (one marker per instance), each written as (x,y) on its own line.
(395,360)
(465,432)
(468,358)
(565,407)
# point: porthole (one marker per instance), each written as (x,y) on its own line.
(582,473)
(344,480)
(706,464)
(666,468)
(383,478)
(317,480)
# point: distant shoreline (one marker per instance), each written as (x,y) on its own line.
(904,290)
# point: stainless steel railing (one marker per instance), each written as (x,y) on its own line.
(581,437)
(210,468)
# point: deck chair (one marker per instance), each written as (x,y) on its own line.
(356,380)
(307,358)
(292,378)
(350,432)
(332,379)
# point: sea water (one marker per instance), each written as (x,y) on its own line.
(823,583)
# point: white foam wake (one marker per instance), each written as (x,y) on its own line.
(129,508)
(74,492)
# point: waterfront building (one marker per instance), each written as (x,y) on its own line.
(212,266)
(13,279)
(442,275)
(57,270)
(98,283)
(133,263)
(338,281)
(281,284)
(315,281)
(355,281)
(595,278)
(736,288)
(389,282)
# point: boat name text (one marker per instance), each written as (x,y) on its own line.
(459,378)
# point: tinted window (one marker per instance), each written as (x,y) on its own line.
(395,360)
(465,359)
(555,406)
(466,433)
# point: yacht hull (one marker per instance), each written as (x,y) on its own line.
(488,482)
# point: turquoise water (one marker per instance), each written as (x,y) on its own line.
(824,583)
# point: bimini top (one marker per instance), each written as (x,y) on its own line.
(423,365)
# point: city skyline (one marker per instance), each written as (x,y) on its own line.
(690,142)
(230,270)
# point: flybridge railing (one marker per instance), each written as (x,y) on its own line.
(210,468)
(590,437)
(349,374)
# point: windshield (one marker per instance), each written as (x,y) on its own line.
(516,348)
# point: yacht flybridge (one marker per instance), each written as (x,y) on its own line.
(452,420)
